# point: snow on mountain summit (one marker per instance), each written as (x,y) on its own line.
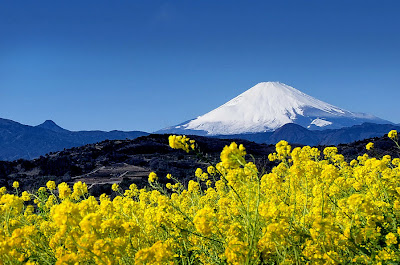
(264,107)
(268,106)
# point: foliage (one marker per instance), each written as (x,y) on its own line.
(311,208)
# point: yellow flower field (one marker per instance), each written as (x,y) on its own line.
(313,208)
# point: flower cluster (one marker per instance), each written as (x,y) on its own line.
(181,142)
(312,208)
(152,177)
(392,134)
(369,146)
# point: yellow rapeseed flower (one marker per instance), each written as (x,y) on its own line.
(392,134)
(282,149)
(198,172)
(63,190)
(391,239)
(51,185)
(15,185)
(369,146)
(204,220)
(26,196)
(181,142)
(211,170)
(115,187)
(152,177)
(233,155)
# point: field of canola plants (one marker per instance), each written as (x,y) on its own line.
(313,208)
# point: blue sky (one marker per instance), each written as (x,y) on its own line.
(145,65)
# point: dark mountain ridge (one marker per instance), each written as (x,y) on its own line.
(294,133)
(23,141)
(118,161)
(130,161)
(28,142)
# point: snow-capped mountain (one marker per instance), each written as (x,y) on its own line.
(268,106)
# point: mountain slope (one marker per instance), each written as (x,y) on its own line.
(355,133)
(268,106)
(123,162)
(296,134)
(130,161)
(28,142)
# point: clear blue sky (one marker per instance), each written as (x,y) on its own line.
(145,65)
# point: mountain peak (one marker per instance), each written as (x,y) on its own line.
(271,87)
(268,106)
(49,122)
(270,83)
(52,126)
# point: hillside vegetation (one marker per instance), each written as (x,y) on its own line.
(313,207)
